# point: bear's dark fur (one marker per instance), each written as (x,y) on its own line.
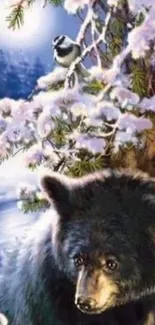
(88,261)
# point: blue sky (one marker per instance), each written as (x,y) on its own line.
(55,21)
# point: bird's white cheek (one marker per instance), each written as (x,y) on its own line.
(54,54)
(65,45)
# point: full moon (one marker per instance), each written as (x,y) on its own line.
(32,32)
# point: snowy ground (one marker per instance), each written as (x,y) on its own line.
(12,173)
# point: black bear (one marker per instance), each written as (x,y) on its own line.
(90,260)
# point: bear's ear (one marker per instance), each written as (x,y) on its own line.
(58,192)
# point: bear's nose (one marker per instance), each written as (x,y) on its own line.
(86,304)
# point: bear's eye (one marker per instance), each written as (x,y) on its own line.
(111,264)
(78,260)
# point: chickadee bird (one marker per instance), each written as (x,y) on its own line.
(66,51)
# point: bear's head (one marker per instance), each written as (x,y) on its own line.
(103,236)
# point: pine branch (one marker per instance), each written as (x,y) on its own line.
(16,18)
(55,3)
(94,87)
(34,206)
(85,165)
(139,80)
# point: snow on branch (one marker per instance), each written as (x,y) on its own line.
(136,6)
(72,130)
(141,37)
(94,44)
(83,28)
(147,104)
(73,5)
(58,75)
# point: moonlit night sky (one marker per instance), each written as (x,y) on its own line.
(34,38)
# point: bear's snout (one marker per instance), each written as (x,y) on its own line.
(86,304)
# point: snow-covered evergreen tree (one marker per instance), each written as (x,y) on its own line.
(106,119)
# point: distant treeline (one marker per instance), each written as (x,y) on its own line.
(18,78)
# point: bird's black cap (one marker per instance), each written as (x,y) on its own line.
(58,40)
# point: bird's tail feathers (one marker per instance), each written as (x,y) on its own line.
(83,71)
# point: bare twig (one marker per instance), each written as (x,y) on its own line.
(93,31)
(84,27)
(21,149)
(117,63)
(103,134)
(103,92)
(59,164)
(19,4)
(100,39)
